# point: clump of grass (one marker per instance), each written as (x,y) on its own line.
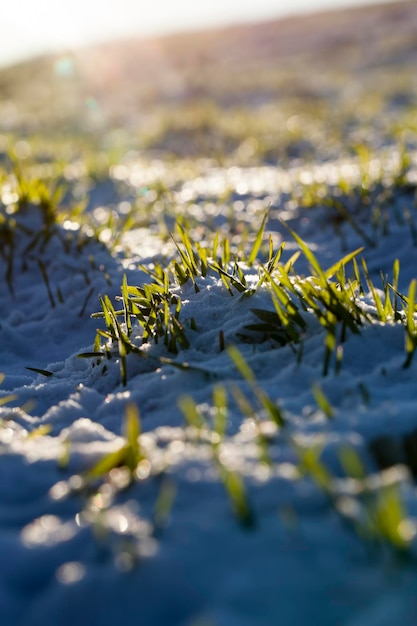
(196,259)
(154,308)
(367,202)
(373,508)
(215,435)
(327,295)
(388,311)
(101,486)
(129,455)
(192,263)
(371,505)
(32,216)
(333,304)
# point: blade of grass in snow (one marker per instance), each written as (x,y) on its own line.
(107,463)
(311,465)
(271,408)
(342,262)
(358,277)
(351,463)
(330,346)
(380,514)
(164,503)
(377,300)
(40,371)
(314,264)
(395,281)
(7,399)
(86,301)
(229,279)
(231,480)
(236,490)
(220,410)
(226,252)
(258,241)
(125,296)
(64,458)
(120,338)
(132,432)
(249,413)
(46,281)
(128,455)
(90,355)
(191,412)
(322,401)
(411,328)
(385,520)
(41,431)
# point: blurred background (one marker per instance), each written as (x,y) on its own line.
(242,83)
(35,27)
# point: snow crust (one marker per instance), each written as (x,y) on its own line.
(67,558)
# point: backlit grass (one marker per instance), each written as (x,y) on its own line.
(233,179)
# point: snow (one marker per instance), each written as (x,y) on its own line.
(74,555)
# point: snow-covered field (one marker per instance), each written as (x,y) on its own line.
(168,548)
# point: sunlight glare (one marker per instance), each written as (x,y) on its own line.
(31,28)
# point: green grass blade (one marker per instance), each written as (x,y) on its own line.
(311,258)
(91,355)
(220,408)
(258,241)
(107,463)
(411,326)
(7,399)
(236,491)
(45,277)
(241,364)
(375,295)
(132,431)
(164,503)
(342,262)
(40,371)
(126,306)
(191,413)
(271,408)
(322,401)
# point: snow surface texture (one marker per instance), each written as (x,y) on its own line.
(112,557)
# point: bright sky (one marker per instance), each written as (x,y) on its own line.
(33,26)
